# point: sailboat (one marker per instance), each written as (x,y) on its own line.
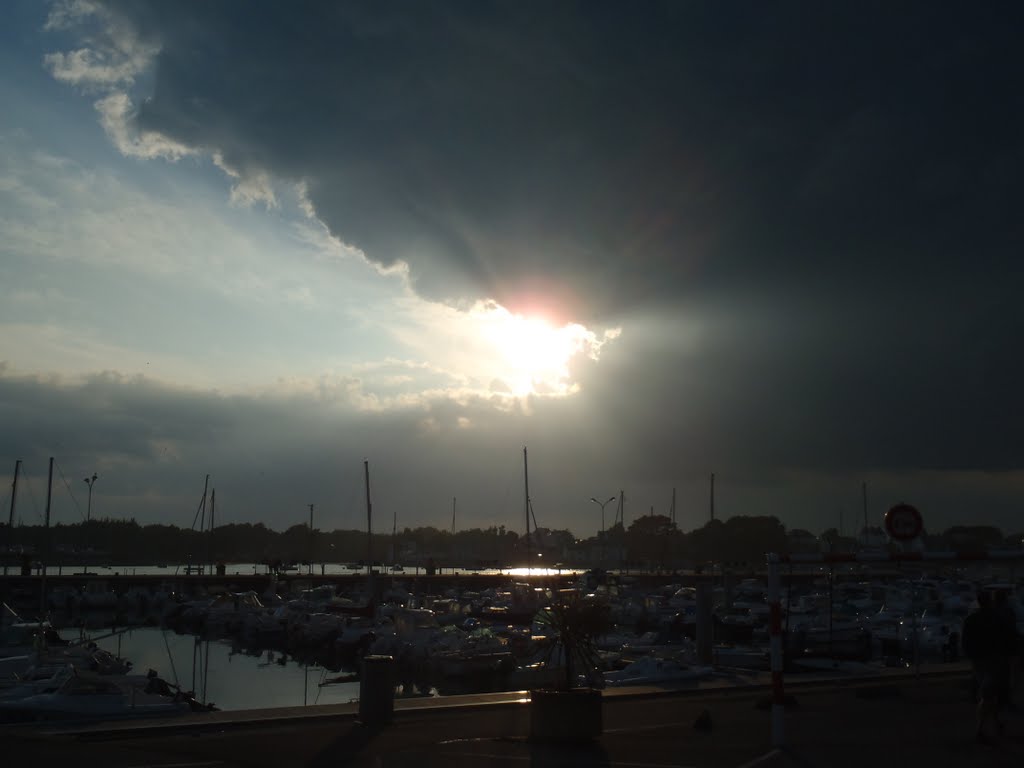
(395,567)
(10,518)
(200,516)
(526,484)
(371,588)
(73,694)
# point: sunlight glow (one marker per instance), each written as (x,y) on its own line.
(542,571)
(528,354)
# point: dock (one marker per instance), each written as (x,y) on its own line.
(896,719)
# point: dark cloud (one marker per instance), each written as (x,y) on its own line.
(611,154)
(269,457)
(831,192)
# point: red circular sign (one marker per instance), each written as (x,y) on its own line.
(903,522)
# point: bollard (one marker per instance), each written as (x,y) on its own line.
(377,690)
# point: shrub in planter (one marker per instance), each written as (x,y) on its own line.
(570,712)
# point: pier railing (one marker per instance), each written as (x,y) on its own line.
(775,561)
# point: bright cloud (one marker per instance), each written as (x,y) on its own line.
(116,117)
(529,355)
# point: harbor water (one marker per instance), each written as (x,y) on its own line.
(221,674)
(319,569)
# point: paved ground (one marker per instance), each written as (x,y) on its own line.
(902,721)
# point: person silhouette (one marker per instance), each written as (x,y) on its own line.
(981,645)
(1007,643)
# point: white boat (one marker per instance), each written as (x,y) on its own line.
(36,678)
(230,611)
(98,596)
(316,629)
(360,633)
(91,697)
(845,637)
(884,627)
(8,615)
(932,635)
(651,670)
(24,638)
(740,657)
(86,658)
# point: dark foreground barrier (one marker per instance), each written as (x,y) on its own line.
(377,690)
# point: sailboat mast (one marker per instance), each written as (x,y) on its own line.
(310,539)
(213,501)
(369,520)
(622,522)
(10,517)
(526,483)
(14,495)
(45,550)
(202,504)
(202,508)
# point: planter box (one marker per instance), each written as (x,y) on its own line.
(566,717)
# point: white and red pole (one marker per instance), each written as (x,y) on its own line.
(775,602)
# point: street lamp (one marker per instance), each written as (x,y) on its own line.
(602,505)
(88,510)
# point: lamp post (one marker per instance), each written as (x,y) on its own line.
(88,514)
(88,509)
(602,505)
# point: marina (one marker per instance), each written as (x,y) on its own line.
(239,636)
(242,641)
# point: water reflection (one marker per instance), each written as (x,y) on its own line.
(232,677)
(328,569)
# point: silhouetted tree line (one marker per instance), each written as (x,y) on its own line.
(126,542)
(649,541)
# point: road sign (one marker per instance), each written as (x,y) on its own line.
(903,522)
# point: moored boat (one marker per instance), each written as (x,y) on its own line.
(98,697)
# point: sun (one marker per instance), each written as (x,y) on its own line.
(529,354)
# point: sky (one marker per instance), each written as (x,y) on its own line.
(268,242)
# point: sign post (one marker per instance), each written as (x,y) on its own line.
(903,522)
